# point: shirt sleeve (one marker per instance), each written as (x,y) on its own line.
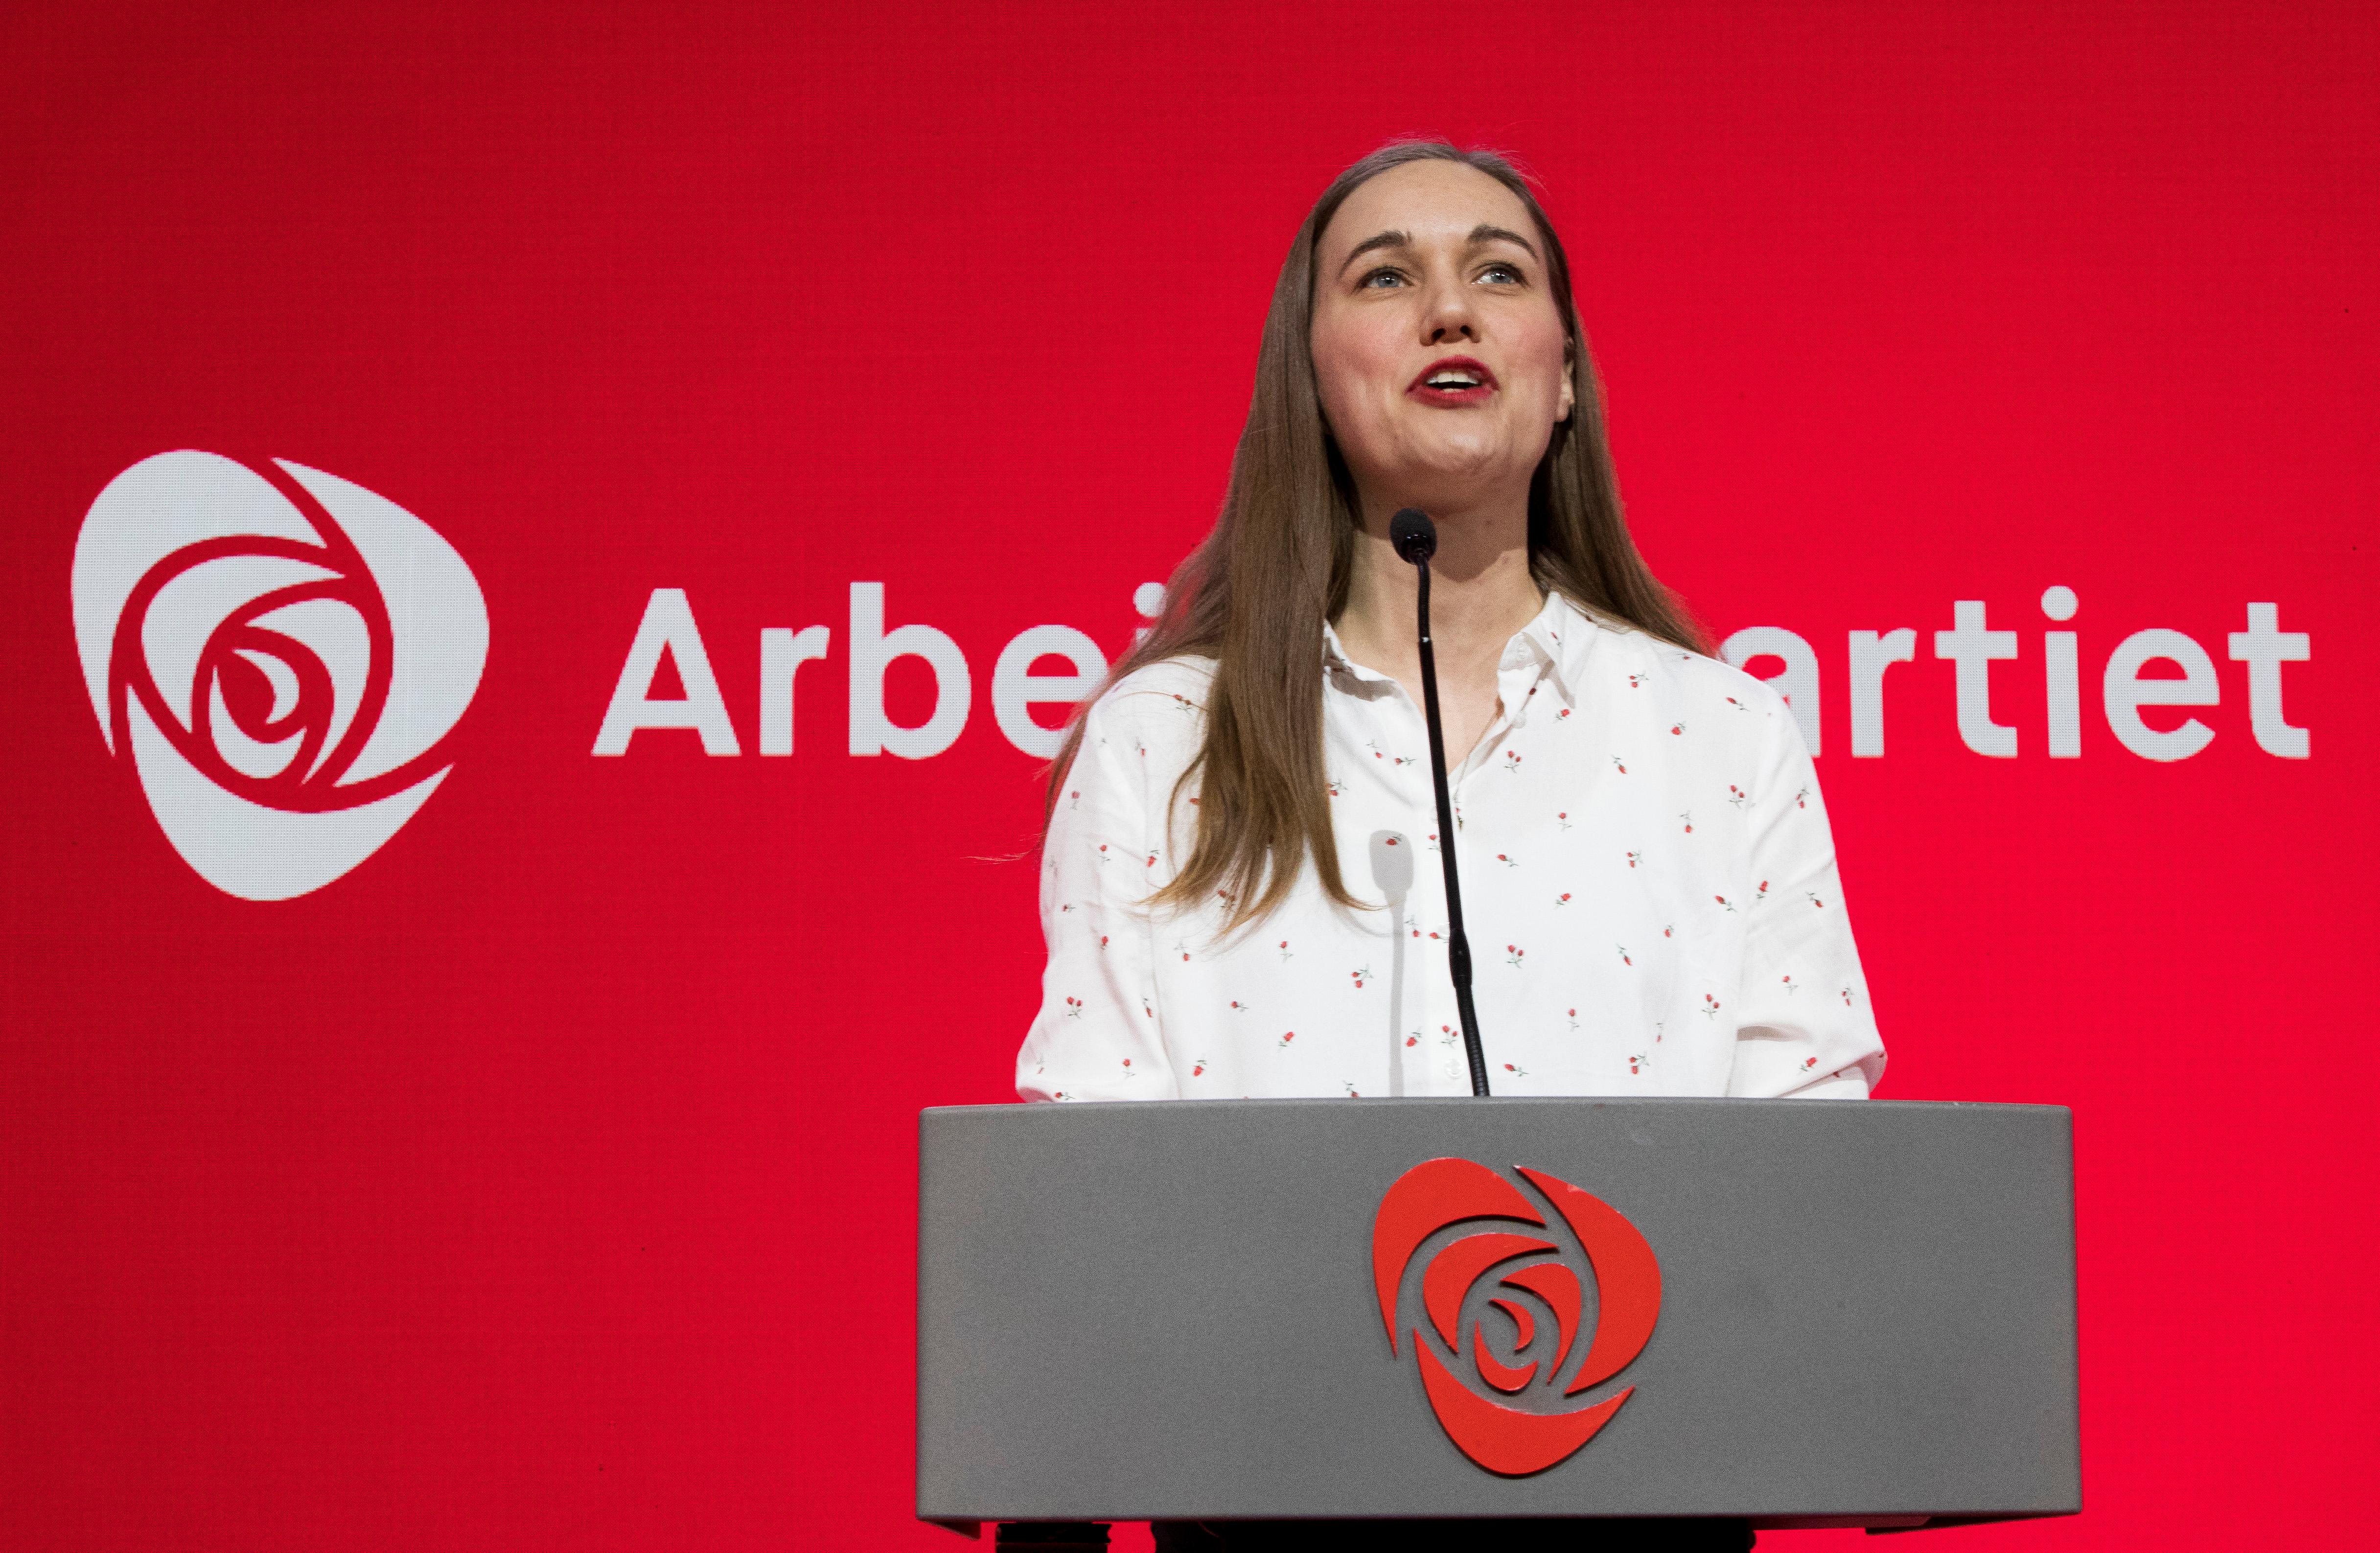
(1804,1027)
(1099,1034)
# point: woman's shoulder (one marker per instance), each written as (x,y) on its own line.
(1158,709)
(1146,729)
(1164,692)
(1693,682)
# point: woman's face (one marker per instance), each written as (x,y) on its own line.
(1437,346)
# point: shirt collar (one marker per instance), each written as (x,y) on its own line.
(1556,640)
(1335,660)
(1561,636)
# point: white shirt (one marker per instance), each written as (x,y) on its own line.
(1647,879)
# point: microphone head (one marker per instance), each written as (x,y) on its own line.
(1414,535)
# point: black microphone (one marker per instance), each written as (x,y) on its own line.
(1415,539)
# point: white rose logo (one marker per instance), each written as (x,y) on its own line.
(281,655)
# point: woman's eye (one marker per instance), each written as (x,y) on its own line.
(1381,279)
(1501,275)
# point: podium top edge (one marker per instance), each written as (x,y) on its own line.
(1597,1102)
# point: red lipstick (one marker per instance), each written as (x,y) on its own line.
(1453,380)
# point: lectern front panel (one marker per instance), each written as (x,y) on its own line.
(1855,1311)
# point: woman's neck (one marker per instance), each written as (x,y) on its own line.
(1481,594)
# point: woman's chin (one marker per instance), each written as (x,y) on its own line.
(1458,476)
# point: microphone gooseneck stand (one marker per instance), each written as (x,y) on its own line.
(1415,539)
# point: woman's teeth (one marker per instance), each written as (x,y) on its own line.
(1453,380)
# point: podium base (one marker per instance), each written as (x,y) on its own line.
(1701,1535)
(1051,1537)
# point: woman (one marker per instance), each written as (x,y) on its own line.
(1241,887)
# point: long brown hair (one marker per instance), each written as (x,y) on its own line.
(1255,595)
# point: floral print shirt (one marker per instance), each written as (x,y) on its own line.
(1648,881)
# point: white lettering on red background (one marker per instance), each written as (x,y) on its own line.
(1970,644)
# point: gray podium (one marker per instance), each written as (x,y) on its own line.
(1860,1313)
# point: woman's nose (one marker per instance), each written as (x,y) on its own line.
(1447,315)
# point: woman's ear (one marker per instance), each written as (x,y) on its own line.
(1570,377)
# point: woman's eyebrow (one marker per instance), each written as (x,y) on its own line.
(1483,232)
(1378,240)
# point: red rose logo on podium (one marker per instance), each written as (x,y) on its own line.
(1513,1412)
(281,654)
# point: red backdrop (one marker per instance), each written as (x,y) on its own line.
(547,1179)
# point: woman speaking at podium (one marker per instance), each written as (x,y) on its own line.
(1241,883)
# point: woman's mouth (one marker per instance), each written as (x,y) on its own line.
(1456,379)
